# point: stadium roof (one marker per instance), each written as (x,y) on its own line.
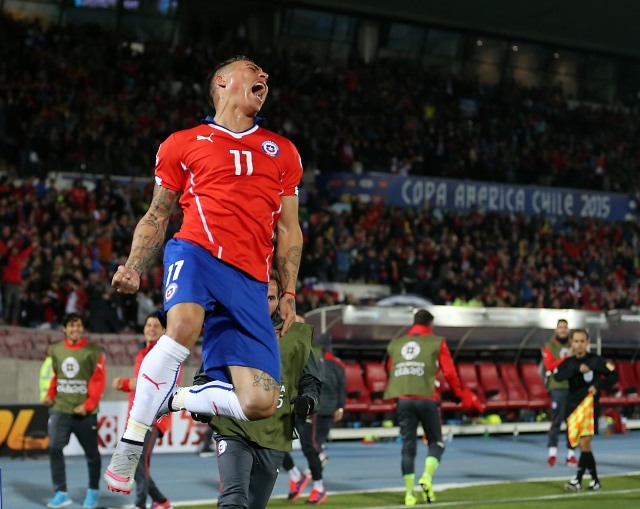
(472,329)
(610,27)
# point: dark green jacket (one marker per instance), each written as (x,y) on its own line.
(300,375)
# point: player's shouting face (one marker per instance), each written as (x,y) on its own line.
(243,85)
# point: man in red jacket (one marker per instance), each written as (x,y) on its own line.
(145,486)
(13,260)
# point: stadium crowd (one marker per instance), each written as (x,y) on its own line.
(60,248)
(104,107)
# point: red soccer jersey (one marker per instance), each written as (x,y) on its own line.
(231,186)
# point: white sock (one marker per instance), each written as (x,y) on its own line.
(318,485)
(135,431)
(295,474)
(553,451)
(213,398)
(156,379)
(570,454)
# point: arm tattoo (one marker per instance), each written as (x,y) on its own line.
(149,233)
(289,265)
(265,381)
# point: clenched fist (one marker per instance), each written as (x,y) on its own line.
(126,280)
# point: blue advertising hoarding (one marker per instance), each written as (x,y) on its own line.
(430,193)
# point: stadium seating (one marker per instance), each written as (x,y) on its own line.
(629,384)
(358,399)
(505,386)
(628,378)
(613,397)
(536,389)
(469,377)
(447,404)
(494,391)
(516,393)
(375,377)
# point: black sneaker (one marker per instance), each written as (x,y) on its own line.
(573,485)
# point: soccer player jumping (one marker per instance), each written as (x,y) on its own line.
(236,183)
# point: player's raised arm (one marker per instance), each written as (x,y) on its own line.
(288,254)
(147,240)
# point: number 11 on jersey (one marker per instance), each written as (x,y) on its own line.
(248,159)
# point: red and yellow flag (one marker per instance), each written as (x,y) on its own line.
(580,422)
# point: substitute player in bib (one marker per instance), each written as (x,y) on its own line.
(413,362)
(250,453)
(236,183)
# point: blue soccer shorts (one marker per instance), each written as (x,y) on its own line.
(238,330)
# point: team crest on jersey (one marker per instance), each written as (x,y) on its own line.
(410,350)
(170,291)
(70,367)
(270,148)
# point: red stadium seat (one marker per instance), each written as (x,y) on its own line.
(516,393)
(443,385)
(537,390)
(358,399)
(469,377)
(375,377)
(628,382)
(636,369)
(616,396)
(494,391)
(446,394)
(628,379)
(613,397)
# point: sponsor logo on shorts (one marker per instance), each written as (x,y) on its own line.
(170,291)
(270,148)
(222,446)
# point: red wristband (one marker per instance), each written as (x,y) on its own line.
(290,293)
